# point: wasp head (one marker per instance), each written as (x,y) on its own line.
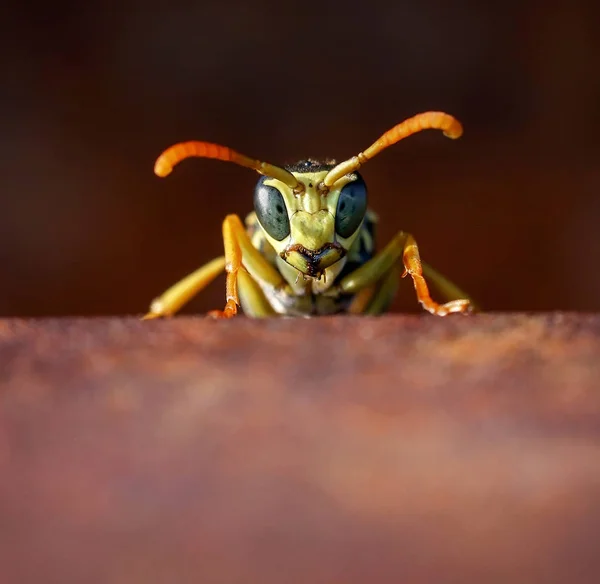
(311,227)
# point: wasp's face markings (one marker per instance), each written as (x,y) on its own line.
(310,262)
(313,230)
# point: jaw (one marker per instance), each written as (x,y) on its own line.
(303,283)
(313,263)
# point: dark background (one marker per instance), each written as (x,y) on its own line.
(93,91)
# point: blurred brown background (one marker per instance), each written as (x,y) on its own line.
(93,91)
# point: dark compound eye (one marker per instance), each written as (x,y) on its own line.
(351,207)
(271,210)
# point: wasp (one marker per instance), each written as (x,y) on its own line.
(308,248)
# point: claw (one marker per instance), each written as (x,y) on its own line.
(229,311)
(462,306)
(150,316)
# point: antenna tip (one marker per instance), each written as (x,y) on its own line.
(454,131)
(162,168)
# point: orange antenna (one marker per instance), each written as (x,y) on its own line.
(175,154)
(425,121)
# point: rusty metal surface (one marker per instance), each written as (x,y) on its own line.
(394,449)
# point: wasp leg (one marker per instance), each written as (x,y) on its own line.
(241,254)
(252,298)
(177,295)
(376,299)
(386,292)
(449,290)
(362,299)
(403,245)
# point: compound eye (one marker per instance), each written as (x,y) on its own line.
(271,211)
(351,207)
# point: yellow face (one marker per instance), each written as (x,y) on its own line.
(313,230)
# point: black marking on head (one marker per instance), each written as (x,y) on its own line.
(311,165)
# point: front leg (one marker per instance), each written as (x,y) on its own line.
(412,266)
(240,254)
(403,245)
(171,301)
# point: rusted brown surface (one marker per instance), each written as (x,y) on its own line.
(400,449)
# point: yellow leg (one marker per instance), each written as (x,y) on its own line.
(362,299)
(239,252)
(252,298)
(449,290)
(403,245)
(176,296)
(385,292)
